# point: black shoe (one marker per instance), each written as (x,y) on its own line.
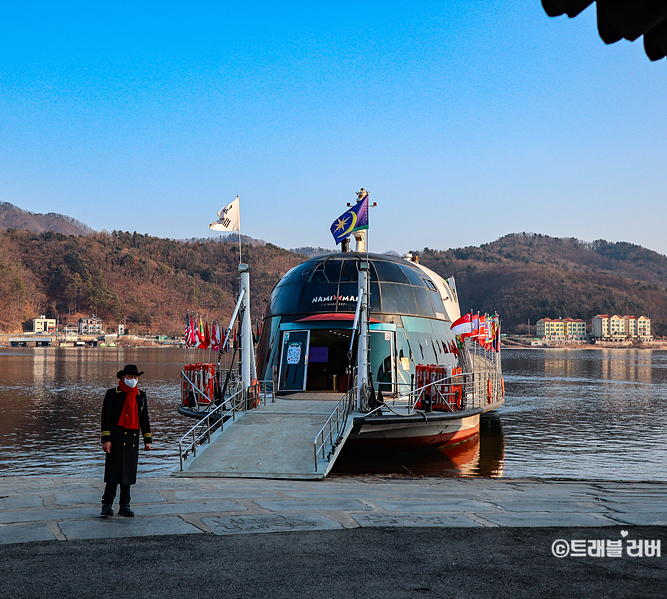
(106,510)
(125,510)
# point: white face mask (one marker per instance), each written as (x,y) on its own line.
(131,383)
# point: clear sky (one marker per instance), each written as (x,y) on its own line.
(465,120)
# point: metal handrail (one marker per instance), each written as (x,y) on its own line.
(474,391)
(335,422)
(212,420)
(239,402)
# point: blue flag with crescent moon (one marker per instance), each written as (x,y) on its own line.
(355,219)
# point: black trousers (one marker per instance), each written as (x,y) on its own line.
(110,494)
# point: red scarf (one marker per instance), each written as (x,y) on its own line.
(129,417)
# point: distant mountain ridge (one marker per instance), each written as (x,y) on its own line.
(152,281)
(526,276)
(14,217)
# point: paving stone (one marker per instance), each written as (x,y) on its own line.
(270,523)
(417,504)
(541,519)
(25,533)
(21,501)
(119,527)
(522,505)
(48,514)
(646,518)
(198,507)
(95,498)
(214,494)
(324,505)
(419,520)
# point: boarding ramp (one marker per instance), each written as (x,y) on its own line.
(259,435)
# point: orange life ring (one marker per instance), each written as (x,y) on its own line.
(489,390)
(502,385)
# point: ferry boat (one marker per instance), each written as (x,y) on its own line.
(380,337)
(423,386)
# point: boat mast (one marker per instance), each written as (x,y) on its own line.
(247,353)
(363,388)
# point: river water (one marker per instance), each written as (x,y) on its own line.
(568,414)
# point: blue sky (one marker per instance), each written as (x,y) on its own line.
(465,120)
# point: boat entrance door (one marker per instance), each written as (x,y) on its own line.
(382,360)
(294,361)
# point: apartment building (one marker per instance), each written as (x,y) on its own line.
(90,326)
(550,329)
(561,329)
(620,328)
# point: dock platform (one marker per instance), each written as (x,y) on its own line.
(274,441)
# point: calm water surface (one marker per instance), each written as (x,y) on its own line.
(569,414)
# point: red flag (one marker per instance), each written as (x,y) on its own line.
(207,337)
(463,325)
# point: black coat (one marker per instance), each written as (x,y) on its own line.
(121,464)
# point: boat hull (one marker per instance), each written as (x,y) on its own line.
(402,434)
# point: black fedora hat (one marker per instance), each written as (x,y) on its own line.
(129,369)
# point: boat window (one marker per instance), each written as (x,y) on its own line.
(413,273)
(327,271)
(430,284)
(423,302)
(348,271)
(284,299)
(390,272)
(398,299)
(376,303)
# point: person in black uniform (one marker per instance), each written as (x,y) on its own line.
(124,414)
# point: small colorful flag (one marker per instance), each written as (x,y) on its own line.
(463,325)
(355,219)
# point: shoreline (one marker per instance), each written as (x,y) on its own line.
(640,346)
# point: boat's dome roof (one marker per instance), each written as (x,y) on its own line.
(328,284)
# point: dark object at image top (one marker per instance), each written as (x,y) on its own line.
(622,19)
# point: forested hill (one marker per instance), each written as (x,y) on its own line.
(149,281)
(531,276)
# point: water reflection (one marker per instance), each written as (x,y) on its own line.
(482,455)
(586,413)
(51,400)
(569,414)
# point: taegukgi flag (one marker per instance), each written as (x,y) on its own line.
(355,219)
(229,218)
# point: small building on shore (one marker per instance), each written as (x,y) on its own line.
(43,325)
(90,326)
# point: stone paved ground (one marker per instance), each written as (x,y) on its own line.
(42,509)
(340,537)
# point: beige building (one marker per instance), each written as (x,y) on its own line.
(550,329)
(561,329)
(44,325)
(575,329)
(620,328)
